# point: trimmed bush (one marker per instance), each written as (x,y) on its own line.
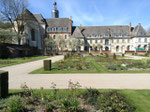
(3,84)
(122,55)
(47,65)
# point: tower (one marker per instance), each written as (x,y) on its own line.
(55,12)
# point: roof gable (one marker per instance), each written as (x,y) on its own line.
(77,33)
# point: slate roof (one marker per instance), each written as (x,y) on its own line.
(39,18)
(102,30)
(28,15)
(77,33)
(59,22)
(139,30)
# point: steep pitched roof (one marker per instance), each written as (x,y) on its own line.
(139,30)
(59,22)
(103,30)
(39,18)
(77,33)
(28,15)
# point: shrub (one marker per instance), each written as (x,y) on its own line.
(122,55)
(70,105)
(15,104)
(49,107)
(114,56)
(113,102)
(113,68)
(106,55)
(91,96)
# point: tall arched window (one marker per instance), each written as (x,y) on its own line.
(106,42)
(54,36)
(33,34)
(65,36)
(117,49)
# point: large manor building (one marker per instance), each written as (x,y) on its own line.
(116,39)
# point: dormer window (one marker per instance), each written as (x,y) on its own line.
(120,35)
(48,29)
(100,35)
(59,29)
(54,29)
(126,35)
(142,33)
(114,35)
(107,35)
(65,29)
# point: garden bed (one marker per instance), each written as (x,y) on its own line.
(98,64)
(71,100)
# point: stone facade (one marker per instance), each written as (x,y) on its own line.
(114,39)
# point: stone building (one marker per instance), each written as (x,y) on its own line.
(114,39)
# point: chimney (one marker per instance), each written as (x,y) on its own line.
(80,27)
(130,27)
(70,17)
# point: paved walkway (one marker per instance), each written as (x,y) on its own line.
(18,74)
(136,57)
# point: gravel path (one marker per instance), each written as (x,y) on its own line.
(135,57)
(18,74)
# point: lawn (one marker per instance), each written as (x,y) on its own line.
(14,61)
(97,64)
(138,100)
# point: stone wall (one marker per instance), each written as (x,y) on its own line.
(3,84)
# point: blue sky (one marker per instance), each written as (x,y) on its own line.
(97,12)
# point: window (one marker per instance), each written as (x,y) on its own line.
(91,41)
(122,40)
(139,39)
(65,36)
(145,40)
(128,40)
(114,35)
(59,29)
(65,29)
(117,40)
(142,33)
(106,42)
(107,35)
(120,35)
(101,41)
(48,29)
(54,36)
(33,34)
(112,41)
(54,29)
(95,41)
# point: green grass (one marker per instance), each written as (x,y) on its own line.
(15,61)
(138,98)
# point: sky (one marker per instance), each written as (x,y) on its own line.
(97,12)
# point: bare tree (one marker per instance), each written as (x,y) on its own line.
(50,44)
(73,43)
(13,11)
(61,43)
